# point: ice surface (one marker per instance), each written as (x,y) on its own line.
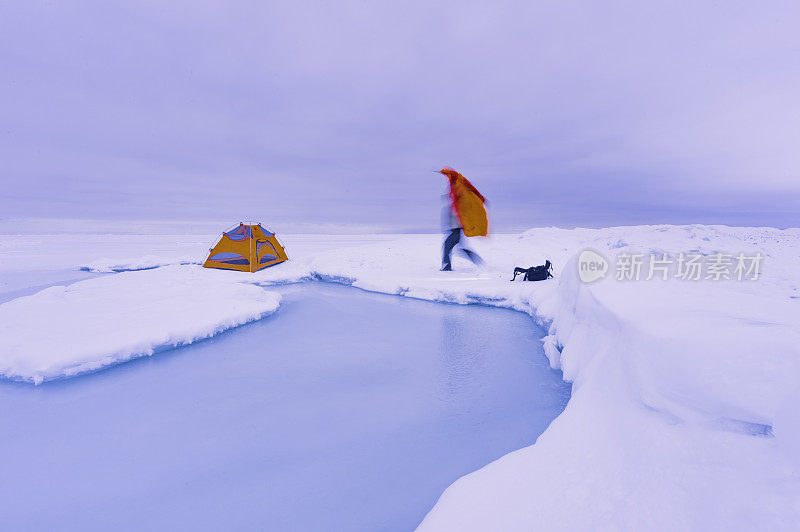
(307,420)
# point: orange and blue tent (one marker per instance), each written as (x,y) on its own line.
(246,248)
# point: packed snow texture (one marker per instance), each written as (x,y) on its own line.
(63,331)
(684,392)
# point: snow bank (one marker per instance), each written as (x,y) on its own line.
(649,440)
(64,331)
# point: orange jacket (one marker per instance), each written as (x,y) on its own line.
(468,204)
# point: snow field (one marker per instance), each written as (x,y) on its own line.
(683,414)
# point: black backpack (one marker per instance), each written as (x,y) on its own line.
(534,273)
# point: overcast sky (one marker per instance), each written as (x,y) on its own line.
(562,113)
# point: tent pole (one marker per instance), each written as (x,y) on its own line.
(252,249)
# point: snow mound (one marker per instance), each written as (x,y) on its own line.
(64,331)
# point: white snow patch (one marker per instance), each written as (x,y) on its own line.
(147,262)
(63,331)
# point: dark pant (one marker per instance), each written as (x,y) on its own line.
(450,242)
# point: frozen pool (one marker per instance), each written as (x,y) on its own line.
(344,411)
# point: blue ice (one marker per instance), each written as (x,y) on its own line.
(344,411)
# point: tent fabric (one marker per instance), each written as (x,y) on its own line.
(468,204)
(242,232)
(246,248)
